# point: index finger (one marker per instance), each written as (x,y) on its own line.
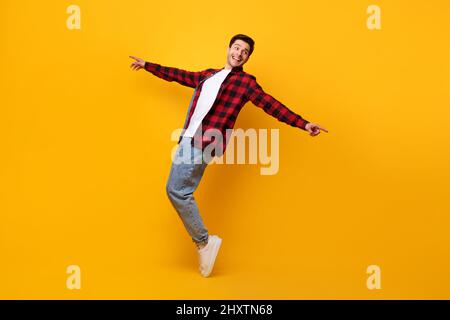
(323,129)
(133,57)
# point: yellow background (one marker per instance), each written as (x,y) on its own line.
(85,151)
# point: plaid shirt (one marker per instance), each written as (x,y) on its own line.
(236,90)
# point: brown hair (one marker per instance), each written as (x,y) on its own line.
(244,38)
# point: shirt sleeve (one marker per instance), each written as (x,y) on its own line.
(186,78)
(274,107)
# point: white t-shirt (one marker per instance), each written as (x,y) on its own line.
(207,97)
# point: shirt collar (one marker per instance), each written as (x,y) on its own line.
(235,69)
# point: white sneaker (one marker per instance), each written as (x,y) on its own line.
(207,255)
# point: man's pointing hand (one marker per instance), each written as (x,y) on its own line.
(314,129)
(138,64)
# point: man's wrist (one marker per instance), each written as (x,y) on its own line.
(302,124)
(151,67)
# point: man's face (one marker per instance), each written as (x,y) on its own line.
(238,53)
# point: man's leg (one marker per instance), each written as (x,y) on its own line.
(183,181)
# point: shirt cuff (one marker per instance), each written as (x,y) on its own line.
(301,123)
(150,66)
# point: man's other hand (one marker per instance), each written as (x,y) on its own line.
(138,64)
(314,129)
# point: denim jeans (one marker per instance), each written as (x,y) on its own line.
(183,181)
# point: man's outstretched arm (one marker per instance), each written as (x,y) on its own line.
(278,110)
(183,77)
(273,107)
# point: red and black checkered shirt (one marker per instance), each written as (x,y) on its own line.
(236,90)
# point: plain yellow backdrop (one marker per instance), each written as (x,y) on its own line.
(85,151)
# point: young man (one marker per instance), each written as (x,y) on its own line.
(218,97)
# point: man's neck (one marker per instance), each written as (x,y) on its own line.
(228,67)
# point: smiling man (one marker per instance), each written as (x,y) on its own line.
(218,97)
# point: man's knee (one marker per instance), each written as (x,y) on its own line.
(177,194)
(170,191)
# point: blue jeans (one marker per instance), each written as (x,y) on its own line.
(183,181)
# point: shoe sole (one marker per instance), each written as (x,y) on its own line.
(215,251)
